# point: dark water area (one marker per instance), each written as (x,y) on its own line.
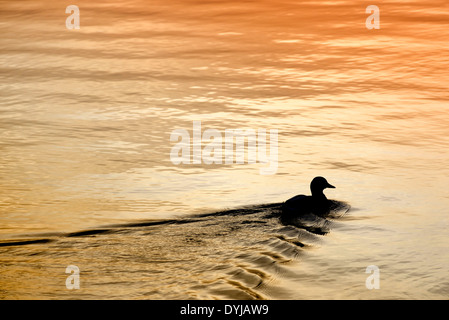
(244,253)
(87,178)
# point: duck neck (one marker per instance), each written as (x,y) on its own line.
(318,195)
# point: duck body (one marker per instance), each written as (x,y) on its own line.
(316,204)
(302,204)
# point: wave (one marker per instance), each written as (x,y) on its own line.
(242,253)
(312,223)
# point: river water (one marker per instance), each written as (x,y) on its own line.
(86,177)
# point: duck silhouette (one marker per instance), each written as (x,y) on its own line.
(316,204)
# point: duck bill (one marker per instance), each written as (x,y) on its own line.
(330,186)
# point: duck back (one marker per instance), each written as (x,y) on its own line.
(302,205)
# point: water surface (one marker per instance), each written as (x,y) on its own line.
(85,123)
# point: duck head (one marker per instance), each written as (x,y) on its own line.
(317,186)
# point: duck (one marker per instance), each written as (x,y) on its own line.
(316,204)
